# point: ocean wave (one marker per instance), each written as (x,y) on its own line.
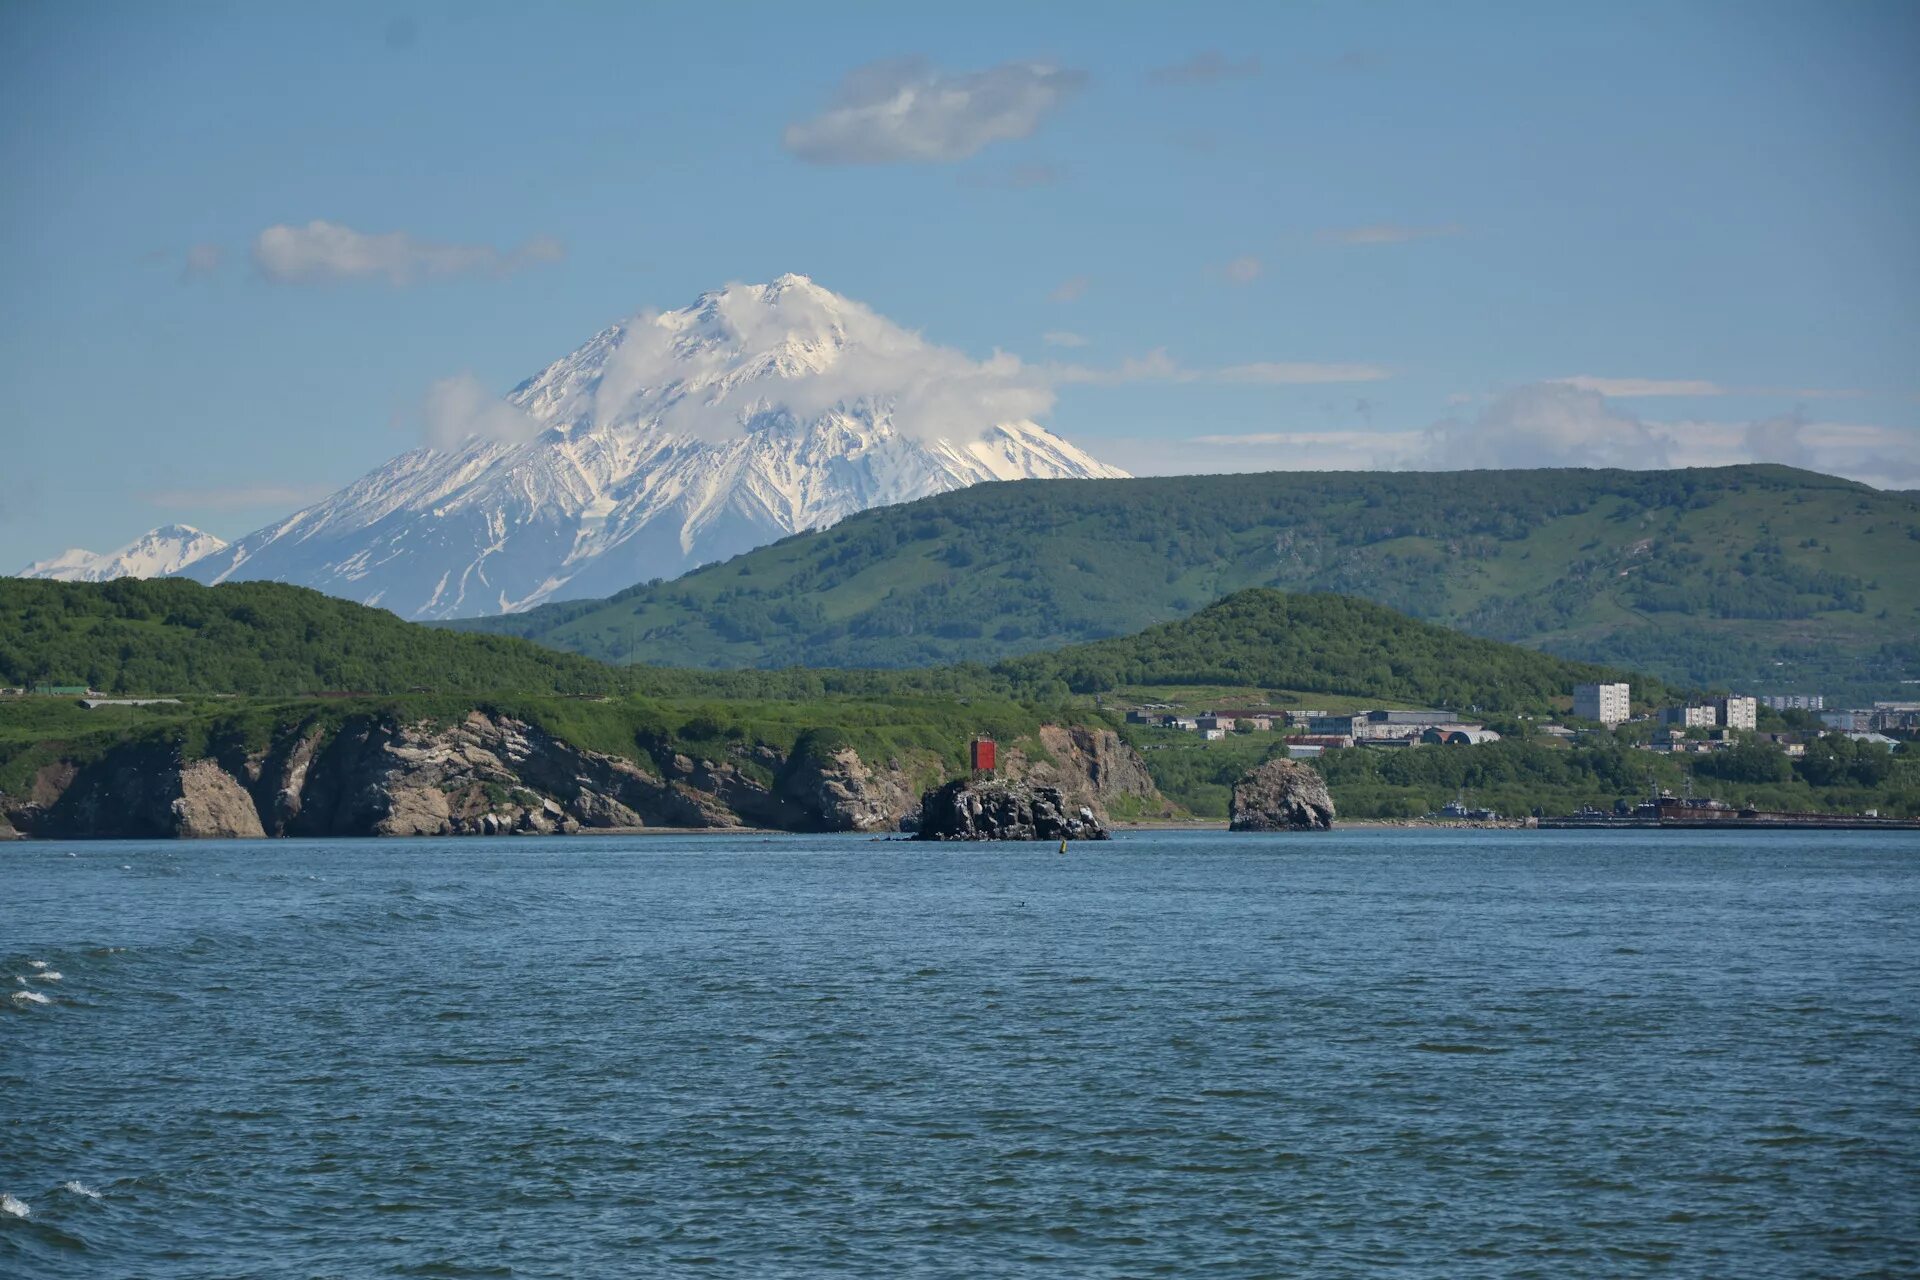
(81,1189)
(37,964)
(35,996)
(48,975)
(13,1207)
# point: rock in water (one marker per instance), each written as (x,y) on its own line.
(1281,795)
(996,810)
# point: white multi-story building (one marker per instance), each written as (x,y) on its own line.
(1797,702)
(1738,713)
(1607,703)
(1702,717)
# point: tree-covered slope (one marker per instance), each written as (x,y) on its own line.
(174,636)
(1322,644)
(1709,576)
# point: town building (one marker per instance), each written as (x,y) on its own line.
(1796,701)
(1738,713)
(1848,721)
(1322,741)
(1343,726)
(1214,735)
(1607,703)
(1421,718)
(1690,717)
(1458,735)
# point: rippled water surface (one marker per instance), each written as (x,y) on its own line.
(1408,1053)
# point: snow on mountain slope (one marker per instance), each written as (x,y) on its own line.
(152,554)
(667,441)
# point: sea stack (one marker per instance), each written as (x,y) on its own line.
(1281,795)
(997,810)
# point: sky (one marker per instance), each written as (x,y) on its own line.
(242,245)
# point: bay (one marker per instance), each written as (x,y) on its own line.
(1411,1053)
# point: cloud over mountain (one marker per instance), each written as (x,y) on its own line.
(905,111)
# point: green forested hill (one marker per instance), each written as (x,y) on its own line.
(175,636)
(1762,577)
(1319,644)
(267,639)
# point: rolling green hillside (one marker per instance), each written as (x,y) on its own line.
(1761,576)
(1318,644)
(174,636)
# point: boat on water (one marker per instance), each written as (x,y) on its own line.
(1662,809)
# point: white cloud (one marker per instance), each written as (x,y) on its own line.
(1277,373)
(1644,386)
(458,408)
(906,111)
(1158,366)
(1547,425)
(928,391)
(1207,67)
(1061,338)
(1244,269)
(1070,289)
(1388,233)
(324,250)
(1664,387)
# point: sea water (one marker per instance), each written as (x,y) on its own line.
(1383,1052)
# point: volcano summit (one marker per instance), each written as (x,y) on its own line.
(669,440)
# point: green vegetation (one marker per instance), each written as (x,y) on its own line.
(239,655)
(1516,777)
(1706,577)
(1318,644)
(175,636)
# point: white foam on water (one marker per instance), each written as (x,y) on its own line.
(34,996)
(18,1208)
(126,866)
(38,964)
(48,975)
(81,1189)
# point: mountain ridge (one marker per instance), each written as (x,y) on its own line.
(158,551)
(1708,577)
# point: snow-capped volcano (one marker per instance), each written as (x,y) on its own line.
(152,554)
(669,440)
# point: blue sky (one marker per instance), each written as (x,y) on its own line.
(1419,221)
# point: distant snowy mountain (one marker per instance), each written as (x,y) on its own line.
(668,441)
(152,554)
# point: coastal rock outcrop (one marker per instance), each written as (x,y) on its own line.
(1281,795)
(1004,810)
(488,773)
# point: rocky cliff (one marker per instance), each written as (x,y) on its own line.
(1091,767)
(1281,795)
(490,774)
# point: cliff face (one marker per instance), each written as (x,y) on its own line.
(491,774)
(1091,767)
